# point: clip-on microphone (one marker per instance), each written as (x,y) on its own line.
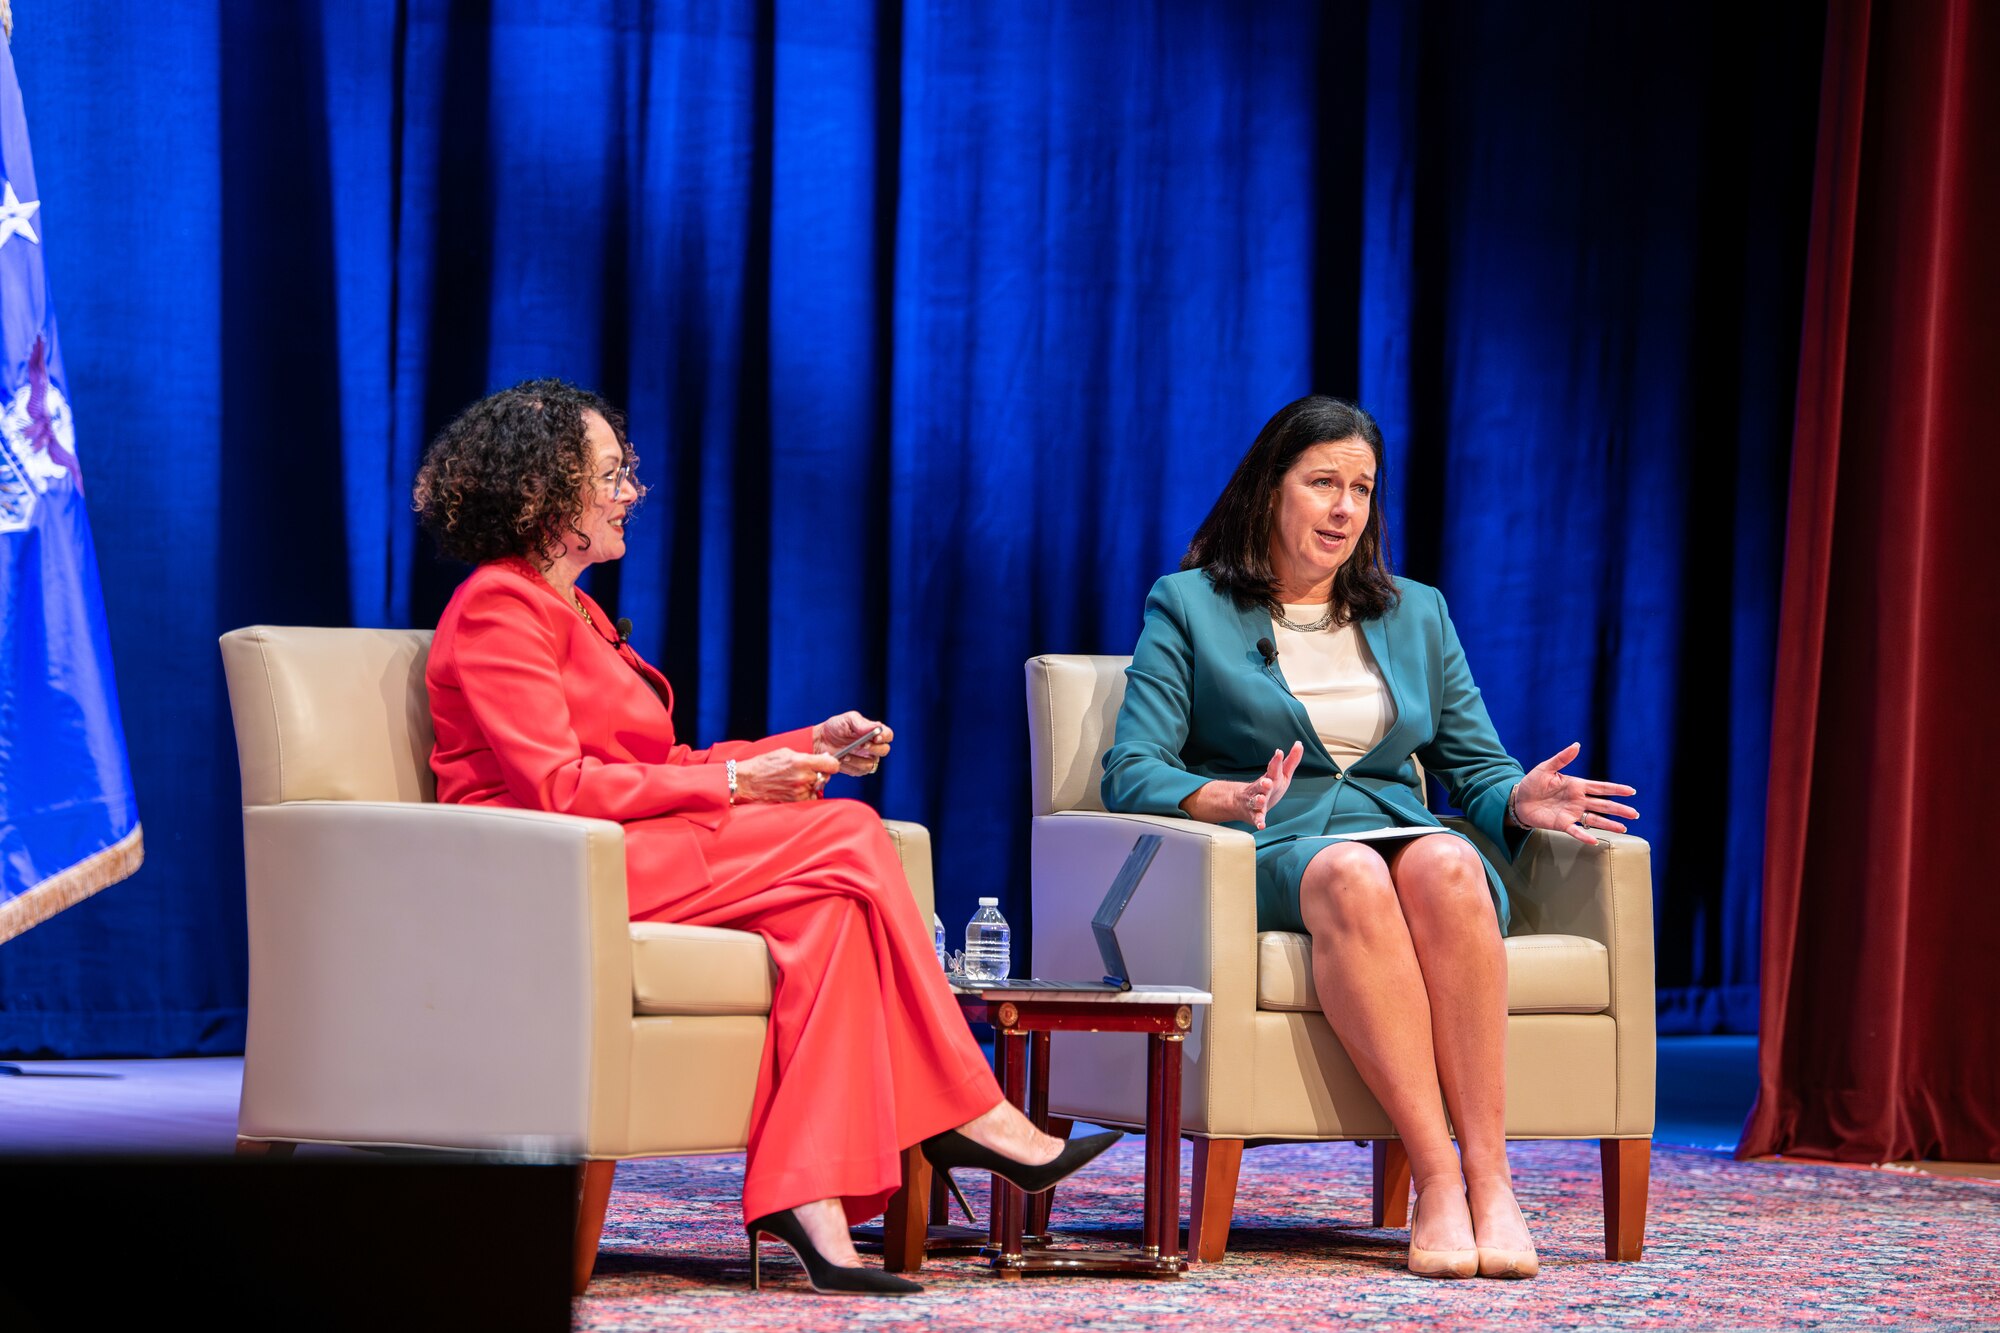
(1269,649)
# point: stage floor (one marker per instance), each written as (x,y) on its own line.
(1706,1085)
(1788,1248)
(174,1106)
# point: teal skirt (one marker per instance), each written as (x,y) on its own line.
(1281,866)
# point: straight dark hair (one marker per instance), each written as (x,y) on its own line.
(1233,544)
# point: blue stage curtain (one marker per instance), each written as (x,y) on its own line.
(940,325)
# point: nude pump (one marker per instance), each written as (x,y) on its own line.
(1438,1263)
(1510,1263)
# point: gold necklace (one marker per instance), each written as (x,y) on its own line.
(581,610)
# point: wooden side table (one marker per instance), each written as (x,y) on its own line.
(1022,1022)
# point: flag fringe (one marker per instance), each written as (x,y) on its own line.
(72,886)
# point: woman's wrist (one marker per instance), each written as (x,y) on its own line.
(1215,802)
(729,774)
(1513,811)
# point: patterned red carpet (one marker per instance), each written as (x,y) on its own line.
(1729,1246)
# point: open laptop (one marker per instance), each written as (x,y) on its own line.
(1104,926)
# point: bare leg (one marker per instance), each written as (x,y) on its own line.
(1002,1128)
(1008,1132)
(825,1224)
(1366,972)
(1441,884)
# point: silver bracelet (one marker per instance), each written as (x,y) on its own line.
(1513,815)
(729,771)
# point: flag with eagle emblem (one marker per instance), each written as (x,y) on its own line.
(68,822)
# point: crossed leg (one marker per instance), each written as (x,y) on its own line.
(866,1051)
(1411,973)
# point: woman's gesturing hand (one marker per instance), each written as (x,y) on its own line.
(842,730)
(783,775)
(1247,802)
(1260,796)
(1550,799)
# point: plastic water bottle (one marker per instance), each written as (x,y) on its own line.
(989,953)
(937,941)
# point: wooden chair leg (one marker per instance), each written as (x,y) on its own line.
(1212,1197)
(1392,1184)
(906,1223)
(264,1148)
(1628,1170)
(593,1195)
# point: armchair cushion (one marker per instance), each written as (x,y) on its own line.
(1546,974)
(698,970)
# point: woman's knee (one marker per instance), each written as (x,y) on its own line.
(845,816)
(852,825)
(1442,873)
(1345,886)
(877,870)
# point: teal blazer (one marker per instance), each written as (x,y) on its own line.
(1200,704)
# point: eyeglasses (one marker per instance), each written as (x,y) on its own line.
(619,478)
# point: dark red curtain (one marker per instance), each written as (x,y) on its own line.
(1881,983)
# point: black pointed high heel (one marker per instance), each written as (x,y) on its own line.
(951,1150)
(828,1279)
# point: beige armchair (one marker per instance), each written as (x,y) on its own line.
(456,977)
(1262,1064)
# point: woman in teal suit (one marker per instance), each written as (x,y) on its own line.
(1283,684)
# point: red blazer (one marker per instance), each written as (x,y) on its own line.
(537,710)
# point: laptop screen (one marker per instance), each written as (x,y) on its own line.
(1105,924)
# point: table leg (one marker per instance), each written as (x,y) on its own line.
(1007,1201)
(1170,1140)
(1156,1067)
(1001,1046)
(1038,1114)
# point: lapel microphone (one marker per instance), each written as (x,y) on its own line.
(1264,646)
(624,631)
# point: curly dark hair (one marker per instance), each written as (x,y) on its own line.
(1233,544)
(512,474)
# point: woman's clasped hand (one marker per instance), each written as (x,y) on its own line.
(792,775)
(842,730)
(783,775)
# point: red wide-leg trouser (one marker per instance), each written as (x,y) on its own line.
(866,1051)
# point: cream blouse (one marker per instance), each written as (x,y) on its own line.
(1334,675)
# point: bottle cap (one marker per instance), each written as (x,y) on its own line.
(989,902)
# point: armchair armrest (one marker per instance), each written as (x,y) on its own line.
(1559,886)
(1193,921)
(913,848)
(436,975)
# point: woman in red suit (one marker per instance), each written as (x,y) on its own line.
(539,704)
